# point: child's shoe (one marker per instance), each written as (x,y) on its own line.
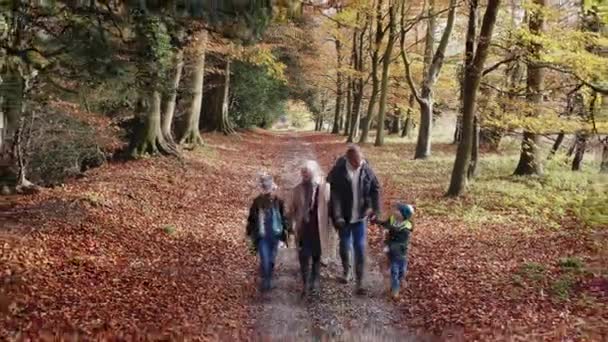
(395,293)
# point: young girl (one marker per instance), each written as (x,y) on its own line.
(266,226)
(399,227)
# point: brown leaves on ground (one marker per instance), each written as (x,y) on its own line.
(464,282)
(155,249)
(142,249)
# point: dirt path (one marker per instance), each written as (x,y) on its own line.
(334,313)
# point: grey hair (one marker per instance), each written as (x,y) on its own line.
(354,148)
(313,167)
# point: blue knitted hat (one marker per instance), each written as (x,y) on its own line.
(406,210)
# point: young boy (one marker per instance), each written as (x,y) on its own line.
(266,226)
(399,227)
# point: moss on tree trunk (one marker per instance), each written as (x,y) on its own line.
(150,140)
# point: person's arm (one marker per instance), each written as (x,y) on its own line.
(284,216)
(251,220)
(374,192)
(334,198)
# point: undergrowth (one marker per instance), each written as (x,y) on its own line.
(497,197)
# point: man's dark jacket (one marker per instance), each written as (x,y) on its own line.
(342,192)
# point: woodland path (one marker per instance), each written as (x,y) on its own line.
(335,312)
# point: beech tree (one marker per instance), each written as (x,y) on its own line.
(475,61)
(424,95)
(529,160)
(191,136)
(387,59)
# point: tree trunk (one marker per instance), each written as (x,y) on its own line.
(396,124)
(355,121)
(530,162)
(348,112)
(150,139)
(423,144)
(191,136)
(474,66)
(581,145)
(386,64)
(225,125)
(472,170)
(338,109)
(556,144)
(375,60)
(171,98)
(12,94)
(367,122)
(215,111)
(358,86)
(458,127)
(407,125)
(458,130)
(429,40)
(604,163)
(425,99)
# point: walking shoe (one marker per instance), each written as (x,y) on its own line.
(395,294)
(345,279)
(266,286)
(360,290)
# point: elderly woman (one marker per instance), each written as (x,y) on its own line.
(266,226)
(309,213)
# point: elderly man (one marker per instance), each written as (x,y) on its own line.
(309,214)
(355,198)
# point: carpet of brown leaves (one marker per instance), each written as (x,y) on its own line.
(155,249)
(142,249)
(460,281)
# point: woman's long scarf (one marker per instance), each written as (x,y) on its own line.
(276,225)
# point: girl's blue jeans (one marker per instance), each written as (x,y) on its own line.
(267,248)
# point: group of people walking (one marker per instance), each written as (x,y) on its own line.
(350,198)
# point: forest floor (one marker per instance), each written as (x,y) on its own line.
(155,248)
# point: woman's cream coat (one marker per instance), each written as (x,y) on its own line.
(298,208)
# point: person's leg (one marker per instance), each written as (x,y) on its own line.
(315,273)
(346,242)
(395,273)
(359,243)
(304,257)
(273,254)
(265,262)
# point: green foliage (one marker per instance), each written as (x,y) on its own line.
(257,98)
(571,263)
(594,210)
(562,287)
(169,229)
(532,271)
(156,50)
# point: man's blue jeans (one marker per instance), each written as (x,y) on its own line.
(354,236)
(267,248)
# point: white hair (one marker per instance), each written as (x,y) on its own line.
(315,170)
